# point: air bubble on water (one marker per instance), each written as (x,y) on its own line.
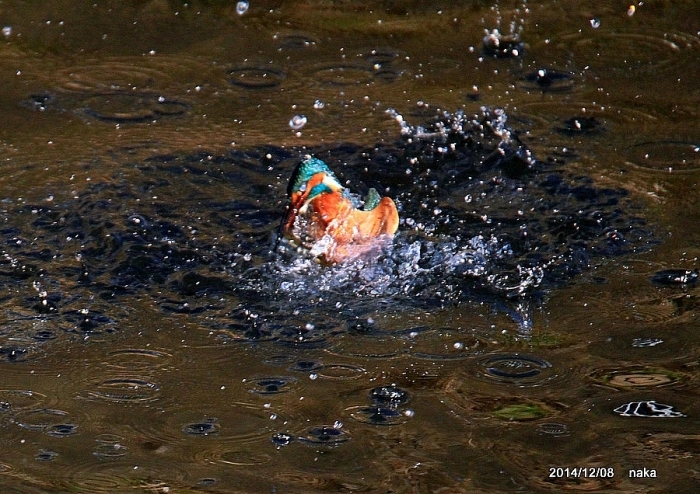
(313,376)
(595,23)
(458,345)
(297,122)
(247,256)
(242,7)
(319,105)
(7,31)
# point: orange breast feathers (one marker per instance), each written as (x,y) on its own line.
(336,216)
(322,217)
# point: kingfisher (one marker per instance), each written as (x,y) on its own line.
(324,217)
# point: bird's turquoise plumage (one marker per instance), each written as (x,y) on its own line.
(310,167)
(303,173)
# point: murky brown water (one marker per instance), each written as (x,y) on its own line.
(147,345)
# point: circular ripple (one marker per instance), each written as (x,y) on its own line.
(343,75)
(256,77)
(306,366)
(236,423)
(638,52)
(271,385)
(665,156)
(296,41)
(311,339)
(638,377)
(131,108)
(60,430)
(548,80)
(553,429)
(14,353)
(581,125)
(47,420)
(124,390)
(109,446)
(12,400)
(377,415)
(241,458)
(522,411)
(204,428)
(109,75)
(341,371)
(382,56)
(392,396)
(45,455)
(137,359)
(381,346)
(523,370)
(116,475)
(645,344)
(324,436)
(444,344)
(577,119)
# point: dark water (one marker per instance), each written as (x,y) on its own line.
(537,310)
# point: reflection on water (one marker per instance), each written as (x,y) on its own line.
(537,308)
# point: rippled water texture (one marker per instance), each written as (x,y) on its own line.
(536,312)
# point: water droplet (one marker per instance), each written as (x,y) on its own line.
(242,7)
(271,385)
(209,426)
(389,395)
(517,369)
(330,436)
(298,121)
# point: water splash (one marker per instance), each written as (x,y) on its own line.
(482,221)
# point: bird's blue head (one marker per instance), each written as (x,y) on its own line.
(307,169)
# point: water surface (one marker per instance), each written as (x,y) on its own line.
(538,309)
